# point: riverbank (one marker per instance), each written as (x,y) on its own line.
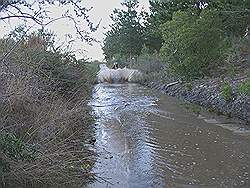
(46,125)
(208,93)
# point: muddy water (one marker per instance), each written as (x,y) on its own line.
(146,139)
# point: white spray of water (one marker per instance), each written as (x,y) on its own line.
(106,74)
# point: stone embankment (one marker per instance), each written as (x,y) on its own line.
(207,93)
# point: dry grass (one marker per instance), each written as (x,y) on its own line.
(44,131)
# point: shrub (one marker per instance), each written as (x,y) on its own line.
(15,148)
(193,44)
(189,86)
(148,63)
(45,122)
(226,91)
(244,88)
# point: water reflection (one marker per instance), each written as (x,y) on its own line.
(149,140)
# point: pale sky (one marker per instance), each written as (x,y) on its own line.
(101,11)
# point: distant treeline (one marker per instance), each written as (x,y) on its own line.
(192,37)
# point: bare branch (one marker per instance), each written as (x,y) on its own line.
(38,12)
(21,16)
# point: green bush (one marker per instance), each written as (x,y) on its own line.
(226,91)
(244,88)
(148,63)
(193,44)
(189,86)
(15,148)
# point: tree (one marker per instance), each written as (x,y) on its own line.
(126,35)
(38,12)
(161,12)
(234,14)
(193,45)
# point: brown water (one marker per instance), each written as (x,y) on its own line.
(146,139)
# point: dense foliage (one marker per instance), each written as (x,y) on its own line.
(193,46)
(126,35)
(45,123)
(193,37)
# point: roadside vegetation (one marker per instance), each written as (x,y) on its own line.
(45,123)
(244,88)
(226,91)
(184,40)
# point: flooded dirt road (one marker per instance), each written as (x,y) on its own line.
(147,139)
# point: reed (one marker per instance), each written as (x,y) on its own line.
(45,123)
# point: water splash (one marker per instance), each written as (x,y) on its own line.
(119,75)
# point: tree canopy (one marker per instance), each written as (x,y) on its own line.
(126,35)
(192,36)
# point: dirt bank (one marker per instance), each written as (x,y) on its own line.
(207,93)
